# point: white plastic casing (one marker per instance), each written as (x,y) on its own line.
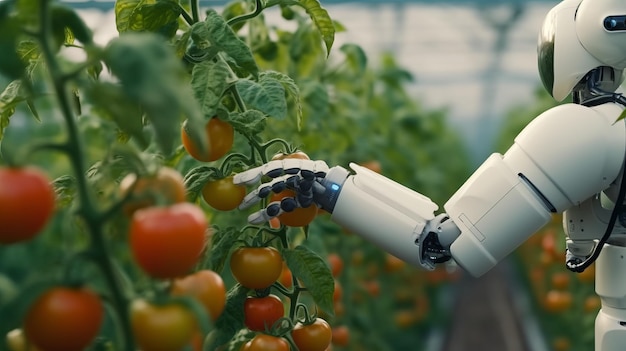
(384,212)
(567,154)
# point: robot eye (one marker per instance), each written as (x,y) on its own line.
(615,23)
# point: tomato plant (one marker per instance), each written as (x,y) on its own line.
(300,216)
(64,319)
(265,342)
(162,327)
(262,312)
(315,336)
(27,202)
(256,267)
(205,285)
(222,194)
(220,136)
(167,242)
(165,187)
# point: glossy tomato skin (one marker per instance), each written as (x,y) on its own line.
(260,313)
(167,327)
(167,242)
(223,194)
(207,287)
(166,185)
(316,336)
(265,342)
(64,319)
(256,267)
(220,135)
(27,203)
(299,217)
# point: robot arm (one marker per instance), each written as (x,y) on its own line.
(561,159)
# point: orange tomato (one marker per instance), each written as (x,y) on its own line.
(220,136)
(166,186)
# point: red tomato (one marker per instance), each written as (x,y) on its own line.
(220,136)
(206,286)
(64,319)
(256,267)
(166,185)
(223,194)
(299,217)
(167,327)
(265,342)
(27,203)
(316,336)
(167,242)
(260,313)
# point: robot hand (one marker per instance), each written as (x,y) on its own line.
(312,181)
(392,216)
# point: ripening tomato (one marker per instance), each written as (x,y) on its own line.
(286,277)
(206,286)
(312,337)
(27,203)
(260,313)
(256,267)
(340,335)
(220,135)
(298,155)
(265,342)
(64,319)
(164,187)
(299,217)
(223,194)
(557,301)
(336,264)
(167,242)
(167,327)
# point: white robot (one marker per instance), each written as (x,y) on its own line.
(570,160)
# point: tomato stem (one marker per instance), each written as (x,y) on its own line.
(258,8)
(195,11)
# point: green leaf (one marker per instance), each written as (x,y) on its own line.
(209,82)
(123,11)
(267,96)
(231,320)
(125,112)
(314,273)
(316,100)
(11,66)
(291,88)
(9,99)
(221,35)
(155,17)
(65,18)
(196,179)
(152,75)
(223,242)
(248,123)
(355,56)
(322,21)
(65,189)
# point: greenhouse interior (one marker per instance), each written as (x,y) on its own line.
(165,178)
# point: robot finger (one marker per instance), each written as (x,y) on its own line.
(275,209)
(308,169)
(264,190)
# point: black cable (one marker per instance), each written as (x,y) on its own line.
(581,266)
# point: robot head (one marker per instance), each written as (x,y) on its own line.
(579,36)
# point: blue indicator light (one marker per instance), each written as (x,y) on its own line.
(334,187)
